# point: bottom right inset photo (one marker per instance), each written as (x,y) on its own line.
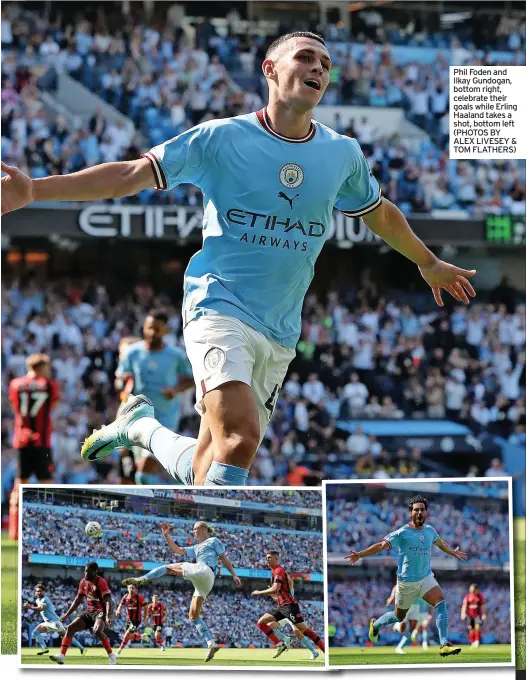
(419,572)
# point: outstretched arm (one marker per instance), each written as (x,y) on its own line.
(108,602)
(375,549)
(390,224)
(440,543)
(107,180)
(169,540)
(73,608)
(228,565)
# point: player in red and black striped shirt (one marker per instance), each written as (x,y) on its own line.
(288,608)
(97,592)
(33,397)
(474,609)
(134,604)
(157,610)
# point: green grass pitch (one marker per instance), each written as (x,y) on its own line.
(9,593)
(181,657)
(520,592)
(379,656)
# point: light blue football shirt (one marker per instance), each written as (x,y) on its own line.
(153,371)
(414,551)
(48,613)
(268,203)
(207,552)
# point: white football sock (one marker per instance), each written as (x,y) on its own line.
(166,445)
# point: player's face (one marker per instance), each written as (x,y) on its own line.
(418,514)
(272,560)
(39,593)
(200,532)
(132,590)
(297,62)
(155,599)
(473,589)
(154,332)
(89,573)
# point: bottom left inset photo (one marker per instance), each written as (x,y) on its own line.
(161,577)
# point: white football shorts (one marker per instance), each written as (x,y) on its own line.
(54,627)
(201,576)
(407,591)
(223,349)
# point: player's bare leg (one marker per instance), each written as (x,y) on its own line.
(98,631)
(435,597)
(74,627)
(233,419)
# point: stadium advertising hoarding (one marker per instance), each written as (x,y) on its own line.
(179,223)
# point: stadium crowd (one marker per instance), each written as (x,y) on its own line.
(228,614)
(167,79)
(139,538)
(481,532)
(361,356)
(365,598)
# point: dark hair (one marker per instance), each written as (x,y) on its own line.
(92,565)
(40,585)
(297,34)
(273,552)
(158,315)
(417,499)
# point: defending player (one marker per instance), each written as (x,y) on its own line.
(208,553)
(286,640)
(134,604)
(474,609)
(96,591)
(51,622)
(414,576)
(268,214)
(158,613)
(288,608)
(159,372)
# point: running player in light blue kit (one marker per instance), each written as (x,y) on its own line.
(414,576)
(207,553)
(161,373)
(270,181)
(51,620)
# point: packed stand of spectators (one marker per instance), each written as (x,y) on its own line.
(168,76)
(135,537)
(482,532)
(231,616)
(361,356)
(353,603)
(304,499)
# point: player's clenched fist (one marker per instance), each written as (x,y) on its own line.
(17,189)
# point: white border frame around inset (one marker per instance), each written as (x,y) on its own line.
(421,482)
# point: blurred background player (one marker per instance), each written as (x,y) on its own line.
(158,613)
(33,398)
(474,609)
(425,618)
(99,613)
(51,622)
(134,604)
(127,466)
(208,552)
(161,373)
(288,608)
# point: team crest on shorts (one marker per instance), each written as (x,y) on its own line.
(291,175)
(214,359)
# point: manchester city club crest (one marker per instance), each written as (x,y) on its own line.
(422,538)
(214,359)
(291,175)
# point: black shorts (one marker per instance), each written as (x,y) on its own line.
(291,612)
(90,618)
(35,460)
(477,621)
(127,467)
